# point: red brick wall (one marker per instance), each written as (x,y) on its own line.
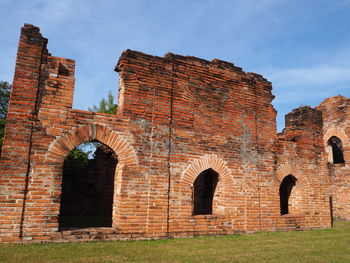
(300,152)
(336,112)
(16,152)
(177,117)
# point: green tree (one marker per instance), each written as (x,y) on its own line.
(106,105)
(76,159)
(5,88)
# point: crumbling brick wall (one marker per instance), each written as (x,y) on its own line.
(336,112)
(177,117)
(300,152)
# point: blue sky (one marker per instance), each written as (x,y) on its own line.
(302,47)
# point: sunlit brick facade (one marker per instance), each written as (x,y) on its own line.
(197,147)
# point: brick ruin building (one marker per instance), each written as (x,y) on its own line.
(192,150)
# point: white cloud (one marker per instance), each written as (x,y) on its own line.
(295,87)
(251,33)
(322,75)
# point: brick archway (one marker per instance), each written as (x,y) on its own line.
(60,147)
(337,132)
(295,202)
(208,161)
(286,169)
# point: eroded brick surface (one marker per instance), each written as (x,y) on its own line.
(177,117)
(336,112)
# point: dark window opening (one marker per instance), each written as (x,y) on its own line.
(285,190)
(337,150)
(203,194)
(88,187)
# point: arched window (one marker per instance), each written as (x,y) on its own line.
(203,192)
(336,154)
(88,187)
(285,191)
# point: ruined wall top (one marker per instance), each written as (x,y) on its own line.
(195,61)
(193,90)
(32,35)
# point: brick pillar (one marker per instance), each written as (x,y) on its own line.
(304,127)
(23,107)
(301,123)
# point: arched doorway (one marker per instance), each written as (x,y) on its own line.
(88,187)
(285,192)
(203,192)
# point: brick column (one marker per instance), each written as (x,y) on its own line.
(23,107)
(304,128)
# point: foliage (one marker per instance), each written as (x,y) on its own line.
(330,245)
(76,159)
(4,100)
(2,131)
(106,106)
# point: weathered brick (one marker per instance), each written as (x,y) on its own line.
(177,117)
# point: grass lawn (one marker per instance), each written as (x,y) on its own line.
(310,246)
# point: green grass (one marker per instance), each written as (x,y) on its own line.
(331,245)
